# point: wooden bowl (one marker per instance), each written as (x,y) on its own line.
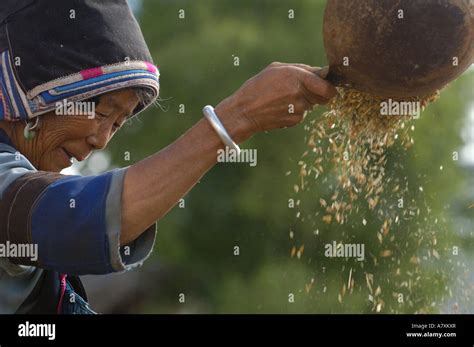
(398,48)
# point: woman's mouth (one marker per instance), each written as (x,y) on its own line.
(67,157)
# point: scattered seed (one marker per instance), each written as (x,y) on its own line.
(354,137)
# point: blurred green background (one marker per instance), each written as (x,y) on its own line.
(248,207)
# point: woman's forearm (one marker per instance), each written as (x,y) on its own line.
(154,185)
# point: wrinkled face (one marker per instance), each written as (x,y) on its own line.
(64,137)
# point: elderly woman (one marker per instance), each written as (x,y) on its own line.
(53,227)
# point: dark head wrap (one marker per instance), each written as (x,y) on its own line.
(51,50)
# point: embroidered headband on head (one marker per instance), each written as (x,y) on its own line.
(52,50)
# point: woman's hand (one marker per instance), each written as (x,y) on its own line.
(278,97)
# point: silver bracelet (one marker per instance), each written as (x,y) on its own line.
(211,116)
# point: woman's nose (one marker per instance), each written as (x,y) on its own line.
(100,139)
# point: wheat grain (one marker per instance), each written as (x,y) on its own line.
(354,136)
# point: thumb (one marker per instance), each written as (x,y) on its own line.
(322,72)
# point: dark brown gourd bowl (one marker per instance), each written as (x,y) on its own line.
(393,57)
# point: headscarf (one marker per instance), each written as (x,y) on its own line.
(52,50)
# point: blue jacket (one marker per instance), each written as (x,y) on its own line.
(73,223)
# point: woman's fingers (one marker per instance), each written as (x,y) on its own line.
(319,91)
(313,99)
(302,66)
(320,71)
(279,96)
(316,85)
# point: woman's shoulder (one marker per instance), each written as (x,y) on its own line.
(13,165)
(16,281)
(11,158)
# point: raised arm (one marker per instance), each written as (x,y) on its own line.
(154,185)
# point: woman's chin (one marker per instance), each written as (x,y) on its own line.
(57,162)
(51,168)
(56,166)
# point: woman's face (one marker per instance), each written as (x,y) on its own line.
(63,137)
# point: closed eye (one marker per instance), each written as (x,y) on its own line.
(116,126)
(100,115)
